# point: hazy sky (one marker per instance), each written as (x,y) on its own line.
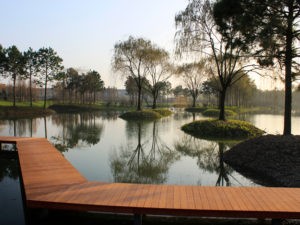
(84,32)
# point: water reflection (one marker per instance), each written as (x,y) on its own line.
(77,130)
(209,155)
(147,162)
(8,167)
(22,127)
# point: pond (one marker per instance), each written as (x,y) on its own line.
(104,147)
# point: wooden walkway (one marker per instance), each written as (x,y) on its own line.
(51,182)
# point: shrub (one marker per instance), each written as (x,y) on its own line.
(216,112)
(163,112)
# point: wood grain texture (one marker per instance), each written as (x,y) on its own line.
(50,181)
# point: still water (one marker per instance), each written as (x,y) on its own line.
(104,147)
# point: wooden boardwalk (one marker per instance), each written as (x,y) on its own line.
(51,182)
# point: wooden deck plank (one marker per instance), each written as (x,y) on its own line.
(190,198)
(197,197)
(50,181)
(170,196)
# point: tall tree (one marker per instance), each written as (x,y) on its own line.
(31,68)
(2,59)
(160,70)
(131,89)
(193,75)
(272,27)
(50,64)
(13,66)
(95,83)
(61,77)
(130,58)
(73,83)
(198,33)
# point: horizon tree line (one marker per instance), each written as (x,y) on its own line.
(42,67)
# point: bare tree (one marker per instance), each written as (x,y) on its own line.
(193,75)
(130,58)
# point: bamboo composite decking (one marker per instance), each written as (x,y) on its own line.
(51,182)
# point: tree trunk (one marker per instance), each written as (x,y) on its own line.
(45,93)
(30,88)
(194,101)
(155,95)
(14,90)
(222,104)
(287,130)
(139,108)
(46,80)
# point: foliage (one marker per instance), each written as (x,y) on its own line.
(272,28)
(49,64)
(159,69)
(130,58)
(13,66)
(86,84)
(163,112)
(132,89)
(31,68)
(193,75)
(216,112)
(198,33)
(218,129)
(179,90)
(141,115)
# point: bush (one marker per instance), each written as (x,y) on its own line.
(196,109)
(216,112)
(218,129)
(163,112)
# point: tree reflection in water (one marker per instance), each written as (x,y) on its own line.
(77,130)
(209,156)
(22,127)
(9,168)
(148,162)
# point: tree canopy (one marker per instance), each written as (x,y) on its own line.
(198,33)
(271,30)
(140,59)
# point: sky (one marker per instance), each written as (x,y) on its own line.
(84,33)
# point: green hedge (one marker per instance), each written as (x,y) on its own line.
(218,129)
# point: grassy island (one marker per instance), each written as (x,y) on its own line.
(218,129)
(216,112)
(146,114)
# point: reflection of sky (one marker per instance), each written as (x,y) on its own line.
(273,124)
(11,209)
(93,161)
